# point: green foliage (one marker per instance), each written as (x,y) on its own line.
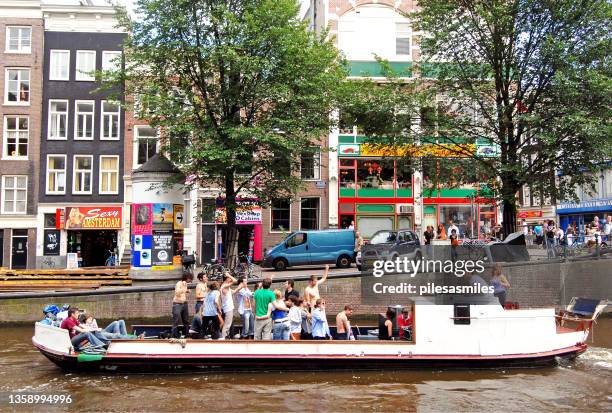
(240,88)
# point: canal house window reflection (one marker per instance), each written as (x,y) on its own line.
(460,215)
(375,174)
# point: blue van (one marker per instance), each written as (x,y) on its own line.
(313,247)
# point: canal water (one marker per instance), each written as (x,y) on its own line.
(582,385)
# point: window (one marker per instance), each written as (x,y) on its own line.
(18,39)
(146,144)
(110,121)
(309,213)
(280,215)
(17,86)
(58,119)
(16,134)
(85,64)
(50,220)
(56,174)
(402,39)
(109,174)
(81,181)
(111,60)
(460,216)
(311,164)
(84,119)
(368,226)
(59,65)
(298,239)
(14,194)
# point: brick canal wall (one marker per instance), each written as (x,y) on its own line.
(537,284)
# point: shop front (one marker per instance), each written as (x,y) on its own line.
(248,220)
(582,214)
(380,190)
(91,233)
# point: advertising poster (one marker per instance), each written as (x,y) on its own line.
(163,216)
(142,219)
(162,249)
(179,217)
(141,250)
(93,218)
(52,242)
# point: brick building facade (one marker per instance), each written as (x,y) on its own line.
(21,61)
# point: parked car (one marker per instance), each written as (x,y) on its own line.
(389,245)
(312,247)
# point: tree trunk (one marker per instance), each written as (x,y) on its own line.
(509,217)
(231,240)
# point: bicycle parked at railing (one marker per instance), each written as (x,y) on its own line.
(244,268)
(111,261)
(472,249)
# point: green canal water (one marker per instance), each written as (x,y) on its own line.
(582,385)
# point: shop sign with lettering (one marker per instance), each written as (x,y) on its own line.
(93,218)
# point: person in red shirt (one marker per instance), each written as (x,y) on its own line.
(404,323)
(77,332)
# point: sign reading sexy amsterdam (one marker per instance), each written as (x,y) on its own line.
(93,218)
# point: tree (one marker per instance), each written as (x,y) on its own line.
(513,92)
(529,79)
(240,88)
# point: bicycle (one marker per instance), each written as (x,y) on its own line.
(111,261)
(473,249)
(247,268)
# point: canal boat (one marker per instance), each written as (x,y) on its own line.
(445,336)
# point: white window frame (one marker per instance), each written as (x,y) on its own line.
(317,162)
(108,171)
(3,195)
(84,76)
(21,49)
(56,171)
(50,118)
(55,76)
(135,163)
(6,87)
(76,119)
(5,153)
(275,231)
(103,121)
(75,171)
(113,64)
(300,213)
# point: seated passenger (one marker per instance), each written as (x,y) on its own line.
(404,323)
(116,329)
(386,333)
(79,333)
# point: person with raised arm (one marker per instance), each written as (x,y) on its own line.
(311,293)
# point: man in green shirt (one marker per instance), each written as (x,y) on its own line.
(263,324)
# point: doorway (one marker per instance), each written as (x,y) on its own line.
(93,246)
(19,250)
(208,244)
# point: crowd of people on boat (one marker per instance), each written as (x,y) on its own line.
(266,314)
